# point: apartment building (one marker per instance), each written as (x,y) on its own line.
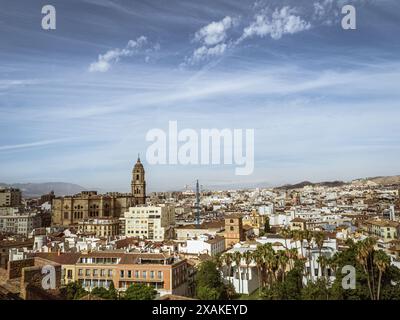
(15,222)
(10,197)
(384,229)
(190,231)
(204,244)
(105,227)
(6,246)
(166,273)
(149,222)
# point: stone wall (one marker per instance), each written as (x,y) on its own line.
(15,267)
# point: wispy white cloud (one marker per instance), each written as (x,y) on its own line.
(31,144)
(326,12)
(7,84)
(275,24)
(133,47)
(213,40)
(215,32)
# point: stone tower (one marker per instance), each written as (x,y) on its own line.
(138,184)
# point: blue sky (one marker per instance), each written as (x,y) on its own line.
(76,102)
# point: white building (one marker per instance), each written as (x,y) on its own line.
(15,222)
(245,277)
(204,244)
(149,222)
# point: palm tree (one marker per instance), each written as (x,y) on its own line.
(218,259)
(308,235)
(293,255)
(237,257)
(259,260)
(269,261)
(362,259)
(227,257)
(283,260)
(369,246)
(382,262)
(248,258)
(319,241)
(285,234)
(322,262)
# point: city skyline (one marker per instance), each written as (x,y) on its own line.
(76,102)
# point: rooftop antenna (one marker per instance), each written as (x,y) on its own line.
(197,204)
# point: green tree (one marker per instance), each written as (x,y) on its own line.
(374,274)
(318,290)
(290,288)
(382,262)
(140,292)
(209,284)
(267,227)
(237,257)
(112,292)
(100,292)
(75,291)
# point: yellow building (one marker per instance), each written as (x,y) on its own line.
(298,224)
(385,229)
(256,221)
(105,227)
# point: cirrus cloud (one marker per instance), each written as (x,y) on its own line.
(140,45)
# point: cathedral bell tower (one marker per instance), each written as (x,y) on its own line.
(138,184)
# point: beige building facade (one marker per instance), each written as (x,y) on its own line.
(149,222)
(10,197)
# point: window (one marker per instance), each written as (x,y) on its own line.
(232,228)
(151,274)
(87,272)
(144,274)
(129,274)
(69,274)
(159,275)
(102,272)
(136,274)
(121,274)
(95,272)
(110,273)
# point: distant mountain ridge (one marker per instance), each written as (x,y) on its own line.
(380,180)
(308,183)
(383,180)
(32,190)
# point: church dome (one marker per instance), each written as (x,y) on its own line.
(138,166)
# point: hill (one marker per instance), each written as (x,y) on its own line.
(32,190)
